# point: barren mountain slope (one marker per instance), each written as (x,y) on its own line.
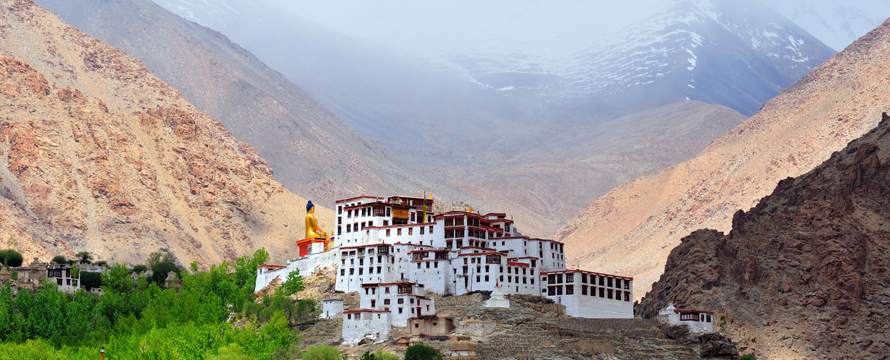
(631,229)
(804,274)
(100,155)
(310,150)
(553,183)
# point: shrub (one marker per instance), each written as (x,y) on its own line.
(749,357)
(422,352)
(59,259)
(10,258)
(89,280)
(322,352)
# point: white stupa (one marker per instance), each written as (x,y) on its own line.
(497,299)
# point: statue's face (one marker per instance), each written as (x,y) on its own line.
(312,210)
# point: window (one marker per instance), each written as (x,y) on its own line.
(398,232)
(609,293)
(570,278)
(584,279)
(570,289)
(583,289)
(602,292)
(627,296)
(388,232)
(610,282)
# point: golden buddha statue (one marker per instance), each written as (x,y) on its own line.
(313,231)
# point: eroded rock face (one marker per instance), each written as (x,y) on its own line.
(97,154)
(804,274)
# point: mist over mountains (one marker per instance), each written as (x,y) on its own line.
(471,91)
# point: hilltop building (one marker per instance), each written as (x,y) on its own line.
(395,253)
(698,321)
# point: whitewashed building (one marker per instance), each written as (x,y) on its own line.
(361,324)
(331,308)
(64,276)
(698,321)
(589,294)
(403,300)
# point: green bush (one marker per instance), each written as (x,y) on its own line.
(422,352)
(322,352)
(59,259)
(10,258)
(749,357)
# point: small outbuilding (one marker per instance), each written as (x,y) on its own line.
(697,320)
(430,325)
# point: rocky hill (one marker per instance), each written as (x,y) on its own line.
(97,154)
(804,274)
(310,150)
(631,229)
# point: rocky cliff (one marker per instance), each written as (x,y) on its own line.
(804,274)
(98,154)
(631,229)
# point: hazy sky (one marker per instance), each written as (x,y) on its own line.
(458,26)
(533,27)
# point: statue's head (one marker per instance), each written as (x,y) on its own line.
(310,207)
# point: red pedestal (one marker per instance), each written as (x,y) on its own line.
(305,245)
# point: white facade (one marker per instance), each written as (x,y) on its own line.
(331,308)
(63,277)
(403,300)
(698,321)
(360,324)
(590,295)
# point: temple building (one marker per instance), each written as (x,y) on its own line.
(697,320)
(395,253)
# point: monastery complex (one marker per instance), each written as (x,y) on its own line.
(395,253)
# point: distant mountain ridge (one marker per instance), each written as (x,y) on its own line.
(632,228)
(715,51)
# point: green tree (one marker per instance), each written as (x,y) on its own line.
(749,357)
(322,352)
(293,284)
(10,258)
(422,352)
(161,263)
(138,269)
(59,259)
